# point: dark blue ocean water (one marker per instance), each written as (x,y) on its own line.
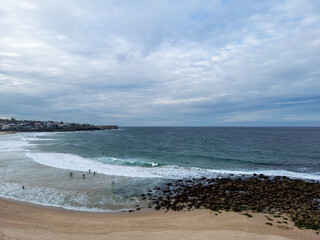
(217,148)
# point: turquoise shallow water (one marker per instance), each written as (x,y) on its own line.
(139,158)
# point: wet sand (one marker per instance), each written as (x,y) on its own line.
(26,221)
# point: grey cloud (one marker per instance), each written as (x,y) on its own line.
(160,62)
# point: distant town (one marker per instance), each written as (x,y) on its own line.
(13,124)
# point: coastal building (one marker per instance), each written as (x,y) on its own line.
(9,127)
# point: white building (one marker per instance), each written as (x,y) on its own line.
(7,127)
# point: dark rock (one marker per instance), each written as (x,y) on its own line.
(296,198)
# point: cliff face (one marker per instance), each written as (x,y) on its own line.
(83,128)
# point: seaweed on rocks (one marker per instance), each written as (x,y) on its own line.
(299,199)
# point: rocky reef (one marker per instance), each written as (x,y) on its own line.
(298,199)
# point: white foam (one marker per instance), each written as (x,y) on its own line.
(48,197)
(14,142)
(20,141)
(78,163)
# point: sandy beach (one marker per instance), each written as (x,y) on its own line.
(5,133)
(26,221)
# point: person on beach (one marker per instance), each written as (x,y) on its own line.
(83,176)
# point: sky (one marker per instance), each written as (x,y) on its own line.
(161,63)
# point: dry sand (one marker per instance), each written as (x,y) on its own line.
(4,133)
(26,221)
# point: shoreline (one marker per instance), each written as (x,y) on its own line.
(30,221)
(60,208)
(222,198)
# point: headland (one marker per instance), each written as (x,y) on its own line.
(14,125)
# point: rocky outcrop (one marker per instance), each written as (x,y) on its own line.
(298,199)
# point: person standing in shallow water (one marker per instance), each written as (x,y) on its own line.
(83,176)
(71,174)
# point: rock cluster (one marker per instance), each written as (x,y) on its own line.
(298,199)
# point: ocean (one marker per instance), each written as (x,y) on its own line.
(131,160)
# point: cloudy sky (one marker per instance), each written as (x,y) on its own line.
(157,62)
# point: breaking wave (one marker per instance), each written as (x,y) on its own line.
(145,170)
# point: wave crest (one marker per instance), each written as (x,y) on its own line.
(139,170)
